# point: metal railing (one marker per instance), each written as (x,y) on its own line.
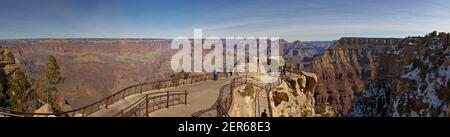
(223,102)
(113,98)
(226,102)
(152,102)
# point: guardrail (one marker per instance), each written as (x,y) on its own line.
(261,87)
(3,114)
(225,102)
(152,102)
(213,107)
(113,98)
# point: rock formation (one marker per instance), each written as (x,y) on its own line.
(415,80)
(294,96)
(301,53)
(15,90)
(7,68)
(345,68)
(46,108)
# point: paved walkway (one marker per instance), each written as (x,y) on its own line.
(200,96)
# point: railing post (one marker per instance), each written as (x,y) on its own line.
(245,78)
(206,76)
(219,110)
(259,107)
(123,95)
(135,89)
(269,103)
(159,84)
(185,97)
(106,103)
(255,102)
(141,88)
(232,85)
(232,95)
(82,114)
(146,105)
(167,102)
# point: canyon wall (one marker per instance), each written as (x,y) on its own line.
(415,82)
(345,68)
(95,68)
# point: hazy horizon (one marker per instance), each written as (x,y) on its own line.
(172,38)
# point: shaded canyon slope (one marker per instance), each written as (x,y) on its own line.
(345,68)
(415,84)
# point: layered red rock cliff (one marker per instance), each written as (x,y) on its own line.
(346,67)
(95,68)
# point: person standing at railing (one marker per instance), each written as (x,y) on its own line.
(282,71)
(215,75)
(264,114)
(228,71)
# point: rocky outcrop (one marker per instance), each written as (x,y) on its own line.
(294,96)
(345,68)
(7,68)
(46,108)
(15,90)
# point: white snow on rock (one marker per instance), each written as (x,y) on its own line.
(413,75)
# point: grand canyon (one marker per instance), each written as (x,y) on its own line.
(217,58)
(352,76)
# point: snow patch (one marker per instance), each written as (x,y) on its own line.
(413,75)
(444,72)
(409,66)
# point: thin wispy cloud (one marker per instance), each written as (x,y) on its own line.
(288,19)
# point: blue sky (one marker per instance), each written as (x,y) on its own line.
(289,19)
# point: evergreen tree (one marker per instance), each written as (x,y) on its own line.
(53,78)
(3,89)
(177,77)
(21,96)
